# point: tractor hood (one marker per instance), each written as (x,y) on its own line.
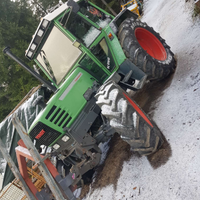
(62,109)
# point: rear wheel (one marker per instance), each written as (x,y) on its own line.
(128,119)
(146,49)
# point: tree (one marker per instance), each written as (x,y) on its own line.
(109,7)
(40,7)
(17,24)
(113,4)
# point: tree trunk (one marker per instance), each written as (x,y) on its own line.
(111,10)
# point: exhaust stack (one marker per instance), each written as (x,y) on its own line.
(36,75)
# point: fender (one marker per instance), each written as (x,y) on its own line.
(124,14)
(130,71)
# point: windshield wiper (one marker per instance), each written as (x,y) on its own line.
(65,18)
(47,64)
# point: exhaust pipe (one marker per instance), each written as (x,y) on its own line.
(36,75)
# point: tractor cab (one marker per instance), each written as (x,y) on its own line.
(73,36)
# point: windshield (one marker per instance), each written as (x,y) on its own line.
(58,55)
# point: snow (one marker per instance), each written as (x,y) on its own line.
(134,119)
(177,114)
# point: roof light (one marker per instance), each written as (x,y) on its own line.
(65,138)
(40,33)
(33,46)
(45,23)
(30,53)
(56,146)
(110,35)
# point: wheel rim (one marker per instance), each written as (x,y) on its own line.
(150,44)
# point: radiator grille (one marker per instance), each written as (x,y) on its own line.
(58,116)
(48,137)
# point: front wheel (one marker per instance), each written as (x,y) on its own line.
(128,119)
(146,49)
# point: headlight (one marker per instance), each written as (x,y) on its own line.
(65,138)
(56,146)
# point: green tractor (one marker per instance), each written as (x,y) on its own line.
(91,58)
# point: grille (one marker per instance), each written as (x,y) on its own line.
(48,137)
(58,116)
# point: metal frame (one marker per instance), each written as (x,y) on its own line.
(23,153)
(15,171)
(61,193)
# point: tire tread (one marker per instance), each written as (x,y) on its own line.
(155,69)
(127,122)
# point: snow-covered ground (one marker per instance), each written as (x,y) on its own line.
(177,114)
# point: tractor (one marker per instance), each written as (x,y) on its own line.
(91,58)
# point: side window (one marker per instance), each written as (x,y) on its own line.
(94,14)
(80,28)
(103,53)
(93,67)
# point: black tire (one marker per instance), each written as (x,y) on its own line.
(146,49)
(129,123)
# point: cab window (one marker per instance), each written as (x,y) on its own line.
(94,68)
(80,28)
(95,15)
(103,54)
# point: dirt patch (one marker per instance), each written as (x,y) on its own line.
(150,93)
(161,156)
(109,172)
(84,191)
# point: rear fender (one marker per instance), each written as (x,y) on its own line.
(130,71)
(124,14)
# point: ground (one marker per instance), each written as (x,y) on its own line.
(172,173)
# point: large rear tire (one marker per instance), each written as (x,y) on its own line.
(128,119)
(146,49)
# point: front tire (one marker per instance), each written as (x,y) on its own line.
(128,119)
(146,49)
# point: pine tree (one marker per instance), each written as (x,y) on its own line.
(17,24)
(114,4)
(40,7)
